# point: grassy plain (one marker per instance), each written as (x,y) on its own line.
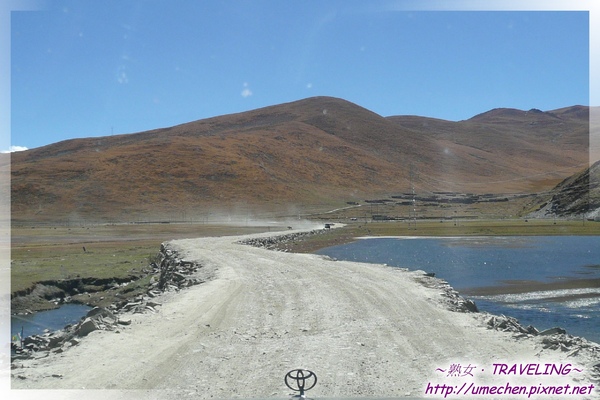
(111,251)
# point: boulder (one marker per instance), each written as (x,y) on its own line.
(552,331)
(100,312)
(57,339)
(470,306)
(86,326)
(130,306)
(178,277)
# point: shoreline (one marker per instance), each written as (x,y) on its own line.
(346,320)
(555,290)
(506,287)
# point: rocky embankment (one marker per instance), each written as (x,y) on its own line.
(171,273)
(283,242)
(554,338)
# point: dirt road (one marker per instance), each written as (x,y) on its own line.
(365,330)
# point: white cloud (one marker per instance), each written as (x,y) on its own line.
(122,78)
(12,149)
(246,92)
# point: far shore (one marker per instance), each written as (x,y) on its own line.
(516,287)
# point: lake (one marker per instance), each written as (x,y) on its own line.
(544,281)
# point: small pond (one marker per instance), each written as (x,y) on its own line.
(36,323)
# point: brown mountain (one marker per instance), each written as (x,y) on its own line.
(309,154)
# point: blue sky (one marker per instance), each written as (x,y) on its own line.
(86,68)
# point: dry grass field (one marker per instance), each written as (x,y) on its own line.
(120,252)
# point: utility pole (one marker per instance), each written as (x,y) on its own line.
(412,220)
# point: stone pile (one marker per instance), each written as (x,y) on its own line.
(565,342)
(137,305)
(172,273)
(58,341)
(276,242)
(510,324)
(553,338)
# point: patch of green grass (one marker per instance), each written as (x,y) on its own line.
(36,263)
(41,253)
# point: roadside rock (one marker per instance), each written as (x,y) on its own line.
(172,273)
(87,326)
(450,297)
(553,338)
(509,324)
(553,331)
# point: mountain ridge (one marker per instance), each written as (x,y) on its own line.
(311,153)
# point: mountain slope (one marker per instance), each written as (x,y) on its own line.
(575,196)
(515,150)
(312,153)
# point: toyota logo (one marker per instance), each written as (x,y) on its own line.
(300,380)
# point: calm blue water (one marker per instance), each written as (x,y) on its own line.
(473,262)
(34,324)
